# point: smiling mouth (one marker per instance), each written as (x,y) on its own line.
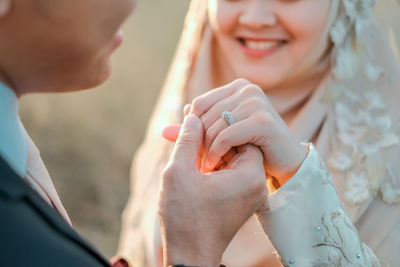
(261,45)
(260,48)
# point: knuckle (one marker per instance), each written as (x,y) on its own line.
(241,82)
(210,135)
(198,105)
(170,171)
(262,118)
(252,90)
(206,120)
(255,102)
(185,140)
(258,186)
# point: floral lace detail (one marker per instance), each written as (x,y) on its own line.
(364,128)
(350,43)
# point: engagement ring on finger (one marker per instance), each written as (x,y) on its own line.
(228,117)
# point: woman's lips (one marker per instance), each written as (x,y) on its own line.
(260,48)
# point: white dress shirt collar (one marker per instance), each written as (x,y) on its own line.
(13,143)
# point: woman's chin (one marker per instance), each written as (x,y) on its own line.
(263,76)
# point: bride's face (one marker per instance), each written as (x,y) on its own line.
(265,41)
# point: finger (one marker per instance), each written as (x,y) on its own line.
(171,132)
(214,113)
(186,109)
(225,162)
(241,112)
(204,102)
(250,95)
(248,157)
(246,169)
(247,95)
(187,146)
(251,130)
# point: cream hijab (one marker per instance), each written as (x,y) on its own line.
(352,117)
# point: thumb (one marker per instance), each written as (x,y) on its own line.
(189,141)
(249,157)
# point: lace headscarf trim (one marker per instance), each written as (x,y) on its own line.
(364,126)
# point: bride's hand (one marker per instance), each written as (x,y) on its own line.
(171,133)
(256,122)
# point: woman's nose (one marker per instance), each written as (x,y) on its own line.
(258,14)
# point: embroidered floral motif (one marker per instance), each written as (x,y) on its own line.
(333,237)
(335,242)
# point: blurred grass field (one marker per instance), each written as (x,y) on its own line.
(87,139)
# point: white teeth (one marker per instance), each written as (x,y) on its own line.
(261,45)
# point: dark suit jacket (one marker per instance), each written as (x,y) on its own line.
(33,234)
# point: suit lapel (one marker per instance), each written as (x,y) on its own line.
(14,187)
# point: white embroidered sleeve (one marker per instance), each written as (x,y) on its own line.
(307,223)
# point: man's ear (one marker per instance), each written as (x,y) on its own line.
(5,7)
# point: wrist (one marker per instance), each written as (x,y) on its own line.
(192,257)
(295,163)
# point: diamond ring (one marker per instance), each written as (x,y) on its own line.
(228,117)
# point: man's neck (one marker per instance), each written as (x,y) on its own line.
(7,81)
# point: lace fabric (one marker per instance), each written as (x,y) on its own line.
(364,123)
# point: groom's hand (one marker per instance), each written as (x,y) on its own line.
(200,213)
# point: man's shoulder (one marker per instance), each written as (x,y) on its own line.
(33,234)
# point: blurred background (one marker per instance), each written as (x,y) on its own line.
(88,139)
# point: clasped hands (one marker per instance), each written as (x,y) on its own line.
(203,205)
